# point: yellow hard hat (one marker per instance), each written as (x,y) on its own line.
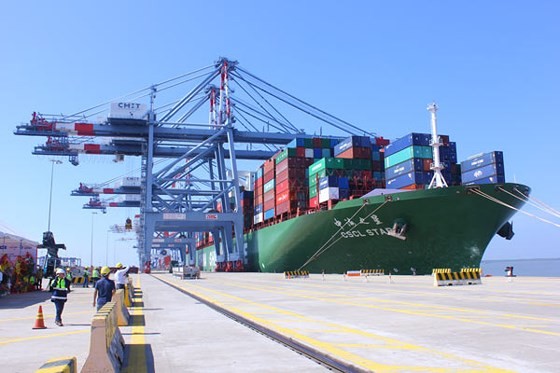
(105,271)
(119,265)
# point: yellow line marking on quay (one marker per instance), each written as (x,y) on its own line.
(508,296)
(331,348)
(43,336)
(353,303)
(136,361)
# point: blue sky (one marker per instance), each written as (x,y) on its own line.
(491,66)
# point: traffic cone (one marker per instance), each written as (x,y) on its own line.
(39,322)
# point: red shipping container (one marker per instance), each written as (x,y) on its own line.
(317,142)
(282,197)
(444,139)
(300,151)
(267,205)
(314,202)
(426,164)
(291,174)
(269,195)
(356,152)
(268,176)
(269,165)
(282,186)
(413,187)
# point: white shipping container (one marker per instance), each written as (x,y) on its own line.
(128,110)
(128,182)
(258,218)
(132,197)
(328,194)
(309,153)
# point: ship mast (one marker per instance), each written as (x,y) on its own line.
(438,180)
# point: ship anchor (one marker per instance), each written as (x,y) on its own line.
(398,230)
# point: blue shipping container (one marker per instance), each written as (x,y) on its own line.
(349,142)
(409,179)
(496,179)
(406,141)
(298,141)
(494,169)
(258,208)
(318,153)
(414,164)
(268,214)
(328,181)
(482,160)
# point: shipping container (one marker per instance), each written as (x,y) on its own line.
(411,165)
(287,152)
(258,218)
(494,179)
(419,139)
(410,178)
(491,170)
(481,160)
(268,214)
(328,194)
(415,151)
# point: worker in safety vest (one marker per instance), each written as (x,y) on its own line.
(86,278)
(60,286)
(94,275)
(69,274)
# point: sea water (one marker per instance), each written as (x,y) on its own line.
(523,267)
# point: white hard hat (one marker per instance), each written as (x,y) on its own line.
(60,270)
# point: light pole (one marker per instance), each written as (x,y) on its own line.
(54,161)
(91,249)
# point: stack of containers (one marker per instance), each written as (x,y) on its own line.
(378,161)
(269,190)
(486,168)
(291,183)
(312,148)
(247,199)
(357,152)
(317,172)
(258,216)
(408,161)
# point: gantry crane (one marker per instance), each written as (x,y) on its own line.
(188,165)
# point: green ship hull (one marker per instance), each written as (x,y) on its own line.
(401,233)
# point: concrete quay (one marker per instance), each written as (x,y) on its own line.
(398,324)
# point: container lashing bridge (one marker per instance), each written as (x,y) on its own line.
(188,165)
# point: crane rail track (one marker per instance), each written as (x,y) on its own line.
(316,355)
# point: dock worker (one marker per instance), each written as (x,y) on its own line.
(120,276)
(94,275)
(86,278)
(59,286)
(104,289)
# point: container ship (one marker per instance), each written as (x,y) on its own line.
(326,205)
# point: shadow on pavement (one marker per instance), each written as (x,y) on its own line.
(23,300)
(138,350)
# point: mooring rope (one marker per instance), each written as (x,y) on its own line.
(324,247)
(500,202)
